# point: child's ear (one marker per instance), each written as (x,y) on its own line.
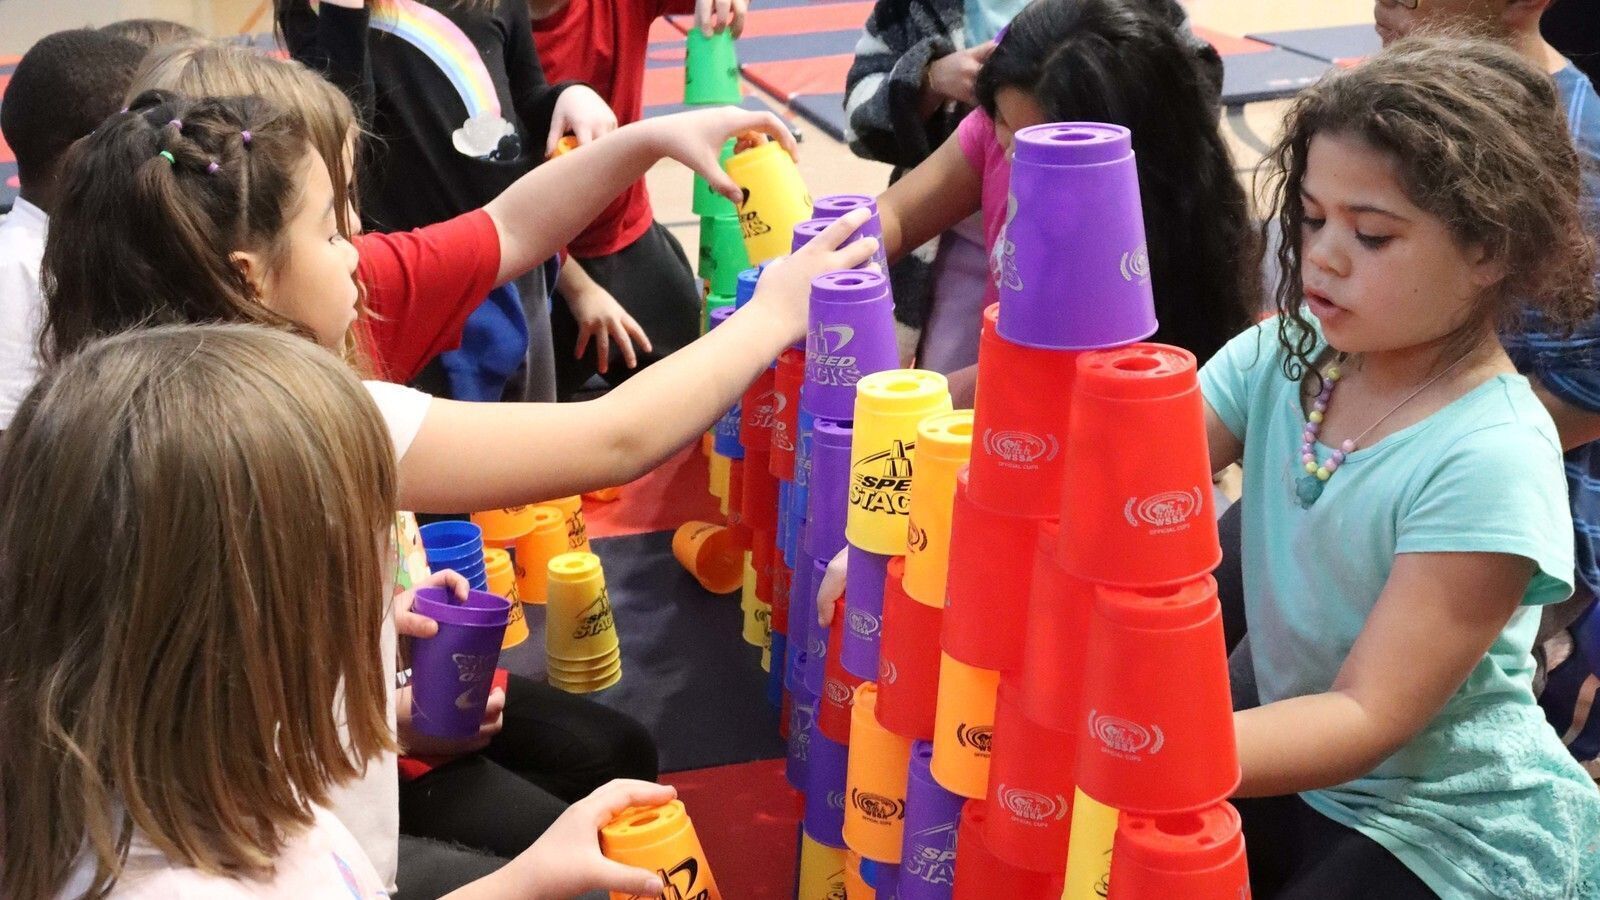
(1488,270)
(253,267)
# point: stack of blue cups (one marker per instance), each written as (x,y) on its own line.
(458,546)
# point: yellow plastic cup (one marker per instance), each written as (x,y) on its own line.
(579,625)
(534,550)
(775,199)
(758,624)
(720,468)
(577,528)
(875,782)
(661,839)
(821,871)
(944,444)
(1094,830)
(503,583)
(889,408)
(963,726)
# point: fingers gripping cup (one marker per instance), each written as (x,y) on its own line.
(1057,643)
(452,671)
(711,553)
(1138,509)
(1020,424)
(786,381)
(828,498)
(502,582)
(889,408)
(821,870)
(661,839)
(707,202)
(989,578)
(1030,788)
(1197,855)
(964,726)
(775,199)
(874,816)
(1072,263)
(933,818)
(980,875)
(863,613)
(835,206)
(908,661)
(1157,707)
(579,626)
(944,442)
(849,335)
(534,550)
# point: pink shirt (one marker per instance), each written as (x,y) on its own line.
(988,158)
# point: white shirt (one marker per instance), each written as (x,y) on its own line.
(22,234)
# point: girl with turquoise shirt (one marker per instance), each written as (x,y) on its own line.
(1407,509)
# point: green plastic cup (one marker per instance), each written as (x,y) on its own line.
(711,71)
(722,253)
(708,202)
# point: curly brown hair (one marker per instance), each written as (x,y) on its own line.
(1479,141)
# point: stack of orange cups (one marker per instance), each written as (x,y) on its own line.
(661,839)
(577,529)
(944,443)
(544,541)
(876,777)
(502,578)
(580,634)
(502,527)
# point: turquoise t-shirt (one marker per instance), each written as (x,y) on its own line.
(1485,802)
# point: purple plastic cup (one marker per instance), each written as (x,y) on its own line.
(451,539)
(928,850)
(1074,271)
(836,206)
(805,231)
(828,495)
(886,884)
(817,639)
(802,619)
(863,612)
(825,771)
(802,720)
(850,335)
(452,671)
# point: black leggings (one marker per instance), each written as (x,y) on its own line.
(554,749)
(652,280)
(1297,853)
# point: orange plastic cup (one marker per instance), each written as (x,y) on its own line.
(1197,856)
(502,527)
(1057,643)
(1020,426)
(565,145)
(875,782)
(1160,735)
(991,568)
(854,885)
(604,495)
(502,579)
(963,727)
(787,378)
(711,553)
(1030,787)
(944,444)
(1137,509)
(534,550)
(662,839)
(980,875)
(577,528)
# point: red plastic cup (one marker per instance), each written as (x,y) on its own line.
(908,660)
(759,498)
(1019,427)
(1057,642)
(787,378)
(980,875)
(761,561)
(838,685)
(780,594)
(1156,702)
(991,570)
(756,410)
(736,500)
(1030,787)
(1197,856)
(1138,510)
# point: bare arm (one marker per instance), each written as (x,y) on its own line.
(1225,448)
(929,199)
(1439,612)
(471,456)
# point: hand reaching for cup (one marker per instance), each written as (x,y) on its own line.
(413,624)
(695,139)
(831,587)
(784,290)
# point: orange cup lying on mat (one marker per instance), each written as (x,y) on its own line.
(662,839)
(534,550)
(604,495)
(963,727)
(711,553)
(875,782)
(502,579)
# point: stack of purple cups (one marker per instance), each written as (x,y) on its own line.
(452,671)
(928,850)
(863,612)
(850,334)
(835,206)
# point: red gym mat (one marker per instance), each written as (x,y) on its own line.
(748,820)
(661,501)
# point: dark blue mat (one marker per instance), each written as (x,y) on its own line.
(1268,75)
(1329,44)
(826,111)
(687,673)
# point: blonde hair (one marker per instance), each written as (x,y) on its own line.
(191,595)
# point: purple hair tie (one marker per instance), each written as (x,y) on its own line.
(176,123)
(245,136)
(212,167)
(1001,34)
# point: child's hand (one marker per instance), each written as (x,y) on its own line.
(696,138)
(582,112)
(831,588)
(415,625)
(784,291)
(712,16)
(601,317)
(415,743)
(954,76)
(566,860)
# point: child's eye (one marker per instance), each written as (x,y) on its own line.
(1372,241)
(1312,223)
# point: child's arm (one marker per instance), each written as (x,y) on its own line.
(333,41)
(471,456)
(547,110)
(929,200)
(541,211)
(1437,616)
(1225,448)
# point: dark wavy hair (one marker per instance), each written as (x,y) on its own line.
(1134,63)
(1479,141)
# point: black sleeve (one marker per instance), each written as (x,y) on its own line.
(883,90)
(332,41)
(533,97)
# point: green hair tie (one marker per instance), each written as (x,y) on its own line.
(168,157)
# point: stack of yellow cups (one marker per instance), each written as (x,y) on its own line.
(889,407)
(580,633)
